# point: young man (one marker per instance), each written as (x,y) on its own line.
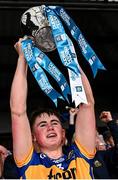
(48,133)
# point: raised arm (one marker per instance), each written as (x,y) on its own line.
(22,141)
(85,127)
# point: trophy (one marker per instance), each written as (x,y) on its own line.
(35,23)
(43,23)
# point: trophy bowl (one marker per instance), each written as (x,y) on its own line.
(35,23)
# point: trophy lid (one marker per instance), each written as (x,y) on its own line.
(35,23)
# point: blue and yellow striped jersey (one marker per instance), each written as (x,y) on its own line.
(75,164)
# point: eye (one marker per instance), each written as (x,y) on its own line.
(42,125)
(55,123)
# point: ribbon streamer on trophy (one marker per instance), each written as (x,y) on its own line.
(85,48)
(44,25)
(39,74)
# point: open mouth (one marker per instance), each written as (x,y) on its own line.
(51,135)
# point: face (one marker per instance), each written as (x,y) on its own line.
(48,132)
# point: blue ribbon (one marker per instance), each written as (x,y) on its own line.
(68,57)
(86,50)
(61,41)
(38,72)
(47,64)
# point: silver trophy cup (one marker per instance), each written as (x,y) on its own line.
(35,23)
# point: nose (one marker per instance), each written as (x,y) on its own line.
(50,127)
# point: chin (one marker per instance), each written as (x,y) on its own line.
(54,144)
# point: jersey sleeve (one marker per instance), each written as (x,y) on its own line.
(25,160)
(84,151)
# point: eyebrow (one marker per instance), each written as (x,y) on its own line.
(55,120)
(44,122)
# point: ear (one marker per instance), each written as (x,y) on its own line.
(63,133)
(63,136)
(33,138)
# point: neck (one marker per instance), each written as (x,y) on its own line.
(53,154)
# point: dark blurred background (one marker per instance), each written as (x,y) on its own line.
(98,21)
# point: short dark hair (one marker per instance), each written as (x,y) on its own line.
(39,111)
